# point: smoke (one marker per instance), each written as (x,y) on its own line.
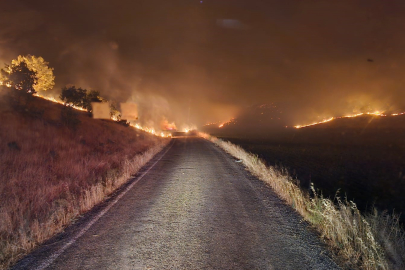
(100,110)
(192,63)
(153,109)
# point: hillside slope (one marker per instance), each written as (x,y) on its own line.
(56,164)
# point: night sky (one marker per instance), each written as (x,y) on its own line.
(195,62)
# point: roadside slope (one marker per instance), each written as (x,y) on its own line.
(54,167)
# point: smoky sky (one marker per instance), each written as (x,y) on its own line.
(195,62)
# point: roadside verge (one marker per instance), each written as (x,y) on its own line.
(373,241)
(110,190)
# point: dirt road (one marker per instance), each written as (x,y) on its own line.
(196,208)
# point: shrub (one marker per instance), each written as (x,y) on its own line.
(69,117)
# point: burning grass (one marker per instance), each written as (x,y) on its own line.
(373,241)
(51,173)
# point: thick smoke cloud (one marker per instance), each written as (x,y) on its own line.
(194,63)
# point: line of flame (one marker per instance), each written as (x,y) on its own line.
(377,113)
(137,126)
(220,124)
(59,102)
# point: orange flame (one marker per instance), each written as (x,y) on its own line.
(376,113)
(58,101)
(137,126)
(226,123)
(165,125)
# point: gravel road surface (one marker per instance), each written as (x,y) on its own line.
(192,207)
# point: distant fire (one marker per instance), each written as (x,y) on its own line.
(220,124)
(226,123)
(376,113)
(188,128)
(165,125)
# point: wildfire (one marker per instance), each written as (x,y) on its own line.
(169,126)
(165,125)
(151,131)
(220,124)
(226,123)
(59,102)
(137,126)
(376,113)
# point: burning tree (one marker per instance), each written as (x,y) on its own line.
(29,74)
(20,77)
(45,80)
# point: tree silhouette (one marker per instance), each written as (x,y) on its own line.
(44,74)
(92,96)
(20,77)
(73,96)
(79,97)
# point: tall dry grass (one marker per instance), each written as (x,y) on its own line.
(372,241)
(50,173)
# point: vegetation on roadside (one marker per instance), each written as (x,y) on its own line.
(365,161)
(80,97)
(371,241)
(51,173)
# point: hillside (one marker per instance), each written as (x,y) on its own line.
(57,164)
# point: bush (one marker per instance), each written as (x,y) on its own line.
(69,117)
(73,96)
(80,97)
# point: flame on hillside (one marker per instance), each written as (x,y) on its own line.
(58,101)
(376,113)
(151,131)
(137,126)
(220,124)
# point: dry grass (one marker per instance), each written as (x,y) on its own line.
(50,174)
(364,242)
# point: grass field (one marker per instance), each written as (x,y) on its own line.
(371,176)
(374,240)
(54,168)
(363,159)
